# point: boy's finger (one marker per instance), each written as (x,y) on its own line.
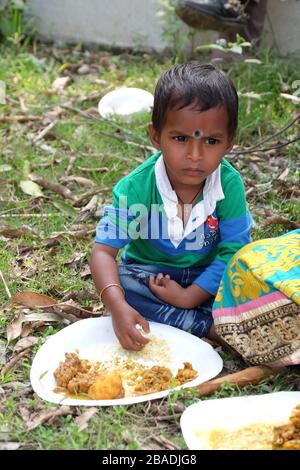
(144,324)
(131,345)
(137,338)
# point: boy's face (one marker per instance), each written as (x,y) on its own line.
(192,143)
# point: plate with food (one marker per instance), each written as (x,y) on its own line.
(258,422)
(84,364)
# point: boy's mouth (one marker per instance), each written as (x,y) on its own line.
(195,171)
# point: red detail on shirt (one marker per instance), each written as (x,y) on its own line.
(212,222)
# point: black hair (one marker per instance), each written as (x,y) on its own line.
(200,85)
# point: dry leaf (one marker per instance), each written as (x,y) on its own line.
(75,261)
(88,210)
(25,343)
(86,271)
(14,328)
(13,361)
(84,69)
(60,83)
(284,175)
(32,299)
(9,232)
(278,219)
(84,418)
(45,416)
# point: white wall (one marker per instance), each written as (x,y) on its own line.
(133,23)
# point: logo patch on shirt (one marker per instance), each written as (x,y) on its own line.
(212,223)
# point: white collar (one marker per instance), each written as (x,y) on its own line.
(212,192)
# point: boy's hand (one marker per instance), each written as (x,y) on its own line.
(124,323)
(174,294)
(168,290)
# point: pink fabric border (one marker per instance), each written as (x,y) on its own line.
(252,304)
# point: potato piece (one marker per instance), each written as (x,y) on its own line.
(107,386)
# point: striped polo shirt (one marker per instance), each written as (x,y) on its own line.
(143,219)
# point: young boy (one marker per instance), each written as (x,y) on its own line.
(181,215)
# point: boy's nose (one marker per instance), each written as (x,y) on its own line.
(195,151)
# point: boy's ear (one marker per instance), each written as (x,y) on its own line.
(154,137)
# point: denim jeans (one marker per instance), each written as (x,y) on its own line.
(134,279)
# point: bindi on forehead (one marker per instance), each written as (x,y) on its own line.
(197,134)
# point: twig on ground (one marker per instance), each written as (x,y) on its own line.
(20,118)
(45,131)
(14,360)
(243,152)
(70,164)
(5,285)
(166,443)
(55,187)
(88,115)
(270,136)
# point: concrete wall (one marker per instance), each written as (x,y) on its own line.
(133,23)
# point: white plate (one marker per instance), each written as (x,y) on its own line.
(233,413)
(125,102)
(95,335)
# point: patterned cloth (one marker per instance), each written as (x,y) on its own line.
(257,308)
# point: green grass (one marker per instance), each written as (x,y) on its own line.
(43,269)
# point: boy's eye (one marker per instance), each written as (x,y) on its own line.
(180,138)
(211,141)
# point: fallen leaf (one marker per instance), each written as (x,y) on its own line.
(13,361)
(84,418)
(75,261)
(45,416)
(84,69)
(278,219)
(86,271)
(60,83)
(31,188)
(284,175)
(10,232)
(32,299)
(25,343)
(14,328)
(25,414)
(88,210)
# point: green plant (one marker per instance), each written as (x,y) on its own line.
(13,25)
(226,46)
(173,32)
